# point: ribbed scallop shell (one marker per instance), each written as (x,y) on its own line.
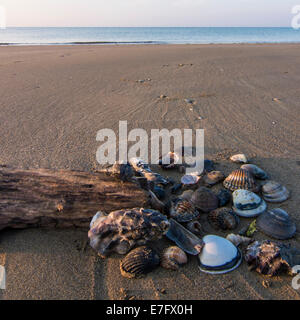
(240,179)
(204,199)
(184,211)
(275,192)
(139,262)
(223,218)
(173,257)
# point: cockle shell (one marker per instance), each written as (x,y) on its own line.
(224,197)
(223,218)
(184,239)
(274,192)
(183,211)
(240,179)
(218,255)
(270,258)
(173,257)
(247,204)
(213,177)
(204,199)
(277,224)
(121,230)
(236,239)
(256,171)
(169,161)
(239,158)
(139,262)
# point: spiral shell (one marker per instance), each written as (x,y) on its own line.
(173,257)
(240,179)
(204,199)
(223,218)
(139,262)
(184,211)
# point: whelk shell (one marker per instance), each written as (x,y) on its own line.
(223,218)
(173,257)
(139,262)
(240,179)
(277,224)
(274,192)
(204,199)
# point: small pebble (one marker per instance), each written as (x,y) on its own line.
(266,284)
(190,101)
(132,298)
(163,291)
(162,96)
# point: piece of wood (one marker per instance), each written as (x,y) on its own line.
(61,198)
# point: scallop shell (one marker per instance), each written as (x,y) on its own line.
(218,255)
(239,158)
(173,257)
(247,203)
(139,262)
(274,192)
(183,211)
(240,179)
(224,197)
(223,218)
(277,224)
(256,171)
(204,199)
(213,177)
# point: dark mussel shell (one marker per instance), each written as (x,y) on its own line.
(139,262)
(277,224)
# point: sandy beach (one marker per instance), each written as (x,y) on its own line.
(54,99)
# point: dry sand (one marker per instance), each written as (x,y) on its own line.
(54,99)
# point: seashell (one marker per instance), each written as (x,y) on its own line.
(218,255)
(223,218)
(255,170)
(187,195)
(121,230)
(139,262)
(237,239)
(159,192)
(270,258)
(169,161)
(97,218)
(240,179)
(122,171)
(184,239)
(277,224)
(208,165)
(213,177)
(183,211)
(224,197)
(247,204)
(176,188)
(173,257)
(204,199)
(189,180)
(239,158)
(274,192)
(195,227)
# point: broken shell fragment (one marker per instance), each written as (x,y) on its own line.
(121,230)
(173,257)
(247,204)
(139,262)
(183,210)
(277,224)
(213,177)
(274,192)
(204,199)
(237,239)
(184,239)
(256,171)
(223,218)
(224,197)
(240,179)
(218,255)
(239,158)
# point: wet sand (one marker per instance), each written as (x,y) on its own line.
(54,99)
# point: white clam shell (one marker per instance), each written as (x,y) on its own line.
(247,203)
(218,255)
(239,158)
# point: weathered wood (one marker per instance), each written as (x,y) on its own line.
(61,198)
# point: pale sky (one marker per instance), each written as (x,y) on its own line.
(156,13)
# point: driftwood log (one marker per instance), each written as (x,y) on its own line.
(61,198)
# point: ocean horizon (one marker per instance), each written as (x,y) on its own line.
(146,35)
